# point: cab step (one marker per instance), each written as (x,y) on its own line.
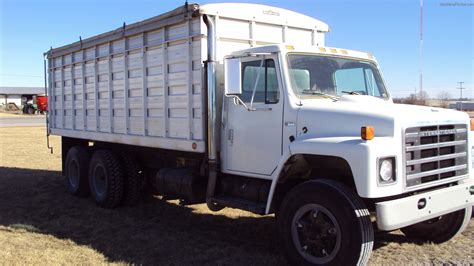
(238,203)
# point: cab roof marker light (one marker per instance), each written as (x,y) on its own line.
(369,55)
(290,47)
(333,50)
(322,49)
(344,52)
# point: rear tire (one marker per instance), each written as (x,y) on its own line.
(76,169)
(440,229)
(134,181)
(323,222)
(30,110)
(106,179)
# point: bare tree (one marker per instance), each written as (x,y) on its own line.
(417,99)
(443,98)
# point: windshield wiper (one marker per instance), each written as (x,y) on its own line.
(351,92)
(313,92)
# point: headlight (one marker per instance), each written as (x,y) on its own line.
(386,171)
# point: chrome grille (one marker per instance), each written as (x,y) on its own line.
(434,153)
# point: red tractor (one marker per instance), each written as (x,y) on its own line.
(42,103)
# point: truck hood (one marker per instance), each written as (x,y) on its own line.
(346,116)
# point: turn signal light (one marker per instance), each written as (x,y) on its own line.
(472,124)
(367,133)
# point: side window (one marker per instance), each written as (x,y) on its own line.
(267,90)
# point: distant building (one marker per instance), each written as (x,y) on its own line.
(18,95)
(466,106)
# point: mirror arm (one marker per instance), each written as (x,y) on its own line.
(248,108)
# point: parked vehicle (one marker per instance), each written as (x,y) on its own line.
(42,103)
(35,104)
(29,106)
(243,106)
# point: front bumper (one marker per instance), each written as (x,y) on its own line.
(395,214)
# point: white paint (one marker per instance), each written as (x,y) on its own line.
(251,140)
(88,99)
(334,130)
(151,85)
(403,212)
(3,99)
(13,98)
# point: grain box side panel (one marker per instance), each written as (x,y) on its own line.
(134,89)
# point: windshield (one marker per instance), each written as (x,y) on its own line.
(331,76)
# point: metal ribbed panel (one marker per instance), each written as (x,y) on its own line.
(434,153)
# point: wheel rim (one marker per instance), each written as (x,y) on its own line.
(73,174)
(99,181)
(316,234)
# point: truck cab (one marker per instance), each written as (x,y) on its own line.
(293,113)
(281,101)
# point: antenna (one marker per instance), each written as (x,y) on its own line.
(421,47)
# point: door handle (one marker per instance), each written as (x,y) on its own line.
(260,109)
(230,137)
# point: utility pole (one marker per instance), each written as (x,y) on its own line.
(460,90)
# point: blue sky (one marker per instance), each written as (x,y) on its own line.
(387,28)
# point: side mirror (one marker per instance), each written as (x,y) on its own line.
(233,77)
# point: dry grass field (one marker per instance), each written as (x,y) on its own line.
(40,223)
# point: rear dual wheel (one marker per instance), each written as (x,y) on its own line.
(115,179)
(106,179)
(76,171)
(112,179)
(134,180)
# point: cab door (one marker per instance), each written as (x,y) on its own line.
(253,135)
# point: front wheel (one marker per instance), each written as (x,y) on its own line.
(440,229)
(324,222)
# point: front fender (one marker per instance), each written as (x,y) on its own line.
(361,155)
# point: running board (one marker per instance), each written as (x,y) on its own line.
(238,203)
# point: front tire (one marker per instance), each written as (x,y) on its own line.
(440,229)
(323,222)
(106,179)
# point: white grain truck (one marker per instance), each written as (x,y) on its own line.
(243,106)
